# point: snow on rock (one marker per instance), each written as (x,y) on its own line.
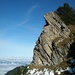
(59,71)
(51,73)
(28,67)
(31,72)
(71,70)
(46,72)
(40,72)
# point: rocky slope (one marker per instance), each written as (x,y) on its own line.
(54,42)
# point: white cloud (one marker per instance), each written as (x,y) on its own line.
(28,15)
(30,10)
(22,23)
(27,18)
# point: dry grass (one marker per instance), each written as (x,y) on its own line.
(62,65)
(42,67)
(58,38)
(72,28)
(64,42)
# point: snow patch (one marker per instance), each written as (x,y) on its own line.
(49,71)
(40,72)
(52,72)
(59,71)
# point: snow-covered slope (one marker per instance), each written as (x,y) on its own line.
(64,68)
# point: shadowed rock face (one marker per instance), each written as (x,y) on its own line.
(53,43)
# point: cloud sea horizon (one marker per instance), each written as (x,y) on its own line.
(7,64)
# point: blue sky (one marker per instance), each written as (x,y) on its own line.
(21,22)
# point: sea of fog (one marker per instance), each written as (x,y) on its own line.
(7,64)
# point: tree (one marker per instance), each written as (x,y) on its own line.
(66,13)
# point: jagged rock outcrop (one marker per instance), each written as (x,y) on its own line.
(53,43)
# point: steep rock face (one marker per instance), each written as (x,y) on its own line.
(53,43)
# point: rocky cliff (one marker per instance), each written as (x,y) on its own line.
(53,44)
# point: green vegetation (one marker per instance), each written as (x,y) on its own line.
(13,72)
(21,70)
(72,28)
(25,70)
(66,13)
(18,71)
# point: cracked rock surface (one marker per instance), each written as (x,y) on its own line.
(53,43)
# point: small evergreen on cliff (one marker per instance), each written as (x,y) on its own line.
(66,13)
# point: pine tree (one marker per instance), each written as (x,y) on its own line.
(66,13)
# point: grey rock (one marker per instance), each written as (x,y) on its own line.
(52,45)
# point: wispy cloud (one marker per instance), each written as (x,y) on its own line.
(23,22)
(30,10)
(27,16)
